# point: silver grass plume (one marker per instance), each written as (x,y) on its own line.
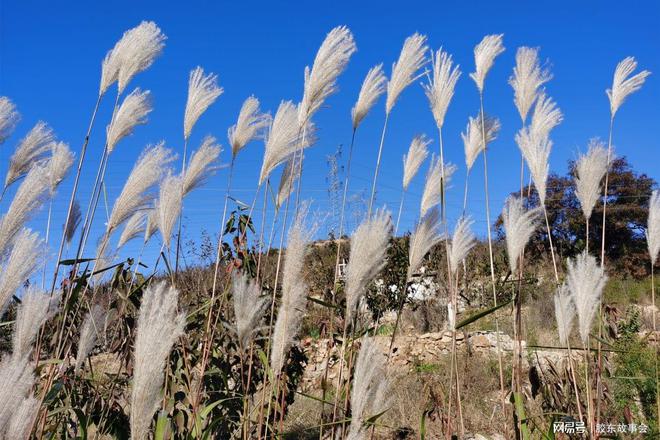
(251,125)
(624,85)
(417,154)
(546,116)
(59,164)
(74,222)
(35,309)
(321,80)
(249,306)
(590,169)
(426,236)
(92,328)
(21,263)
(203,90)
(472,138)
(536,152)
(158,327)
(404,71)
(282,139)
(484,56)
(29,197)
(151,225)
(289,175)
(294,292)
(168,206)
(653,226)
(462,242)
(9,118)
(137,50)
(527,78)
(373,86)
(201,165)
(132,112)
(110,68)
(585,280)
(367,257)
(135,227)
(519,225)
(21,421)
(32,148)
(564,313)
(432,188)
(16,380)
(440,89)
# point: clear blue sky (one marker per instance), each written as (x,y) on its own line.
(50,56)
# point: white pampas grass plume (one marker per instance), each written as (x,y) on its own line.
(564,313)
(585,280)
(282,139)
(653,226)
(74,221)
(367,257)
(203,90)
(473,143)
(289,176)
(59,164)
(92,328)
(414,159)
(462,242)
(135,227)
(23,418)
(9,118)
(404,71)
(294,292)
(590,169)
(426,235)
(21,263)
(132,112)
(137,50)
(624,85)
(16,380)
(484,56)
(373,86)
(168,206)
(440,89)
(249,306)
(151,225)
(35,309)
(536,152)
(136,194)
(546,116)
(201,165)
(519,225)
(321,80)
(251,125)
(434,182)
(158,327)
(527,78)
(109,69)
(32,148)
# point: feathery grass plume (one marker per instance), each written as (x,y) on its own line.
(59,164)
(132,112)
(137,50)
(136,195)
(32,148)
(564,313)
(590,169)
(158,327)
(373,86)
(201,165)
(152,223)
(23,418)
(294,291)
(73,223)
(440,89)
(527,78)
(16,380)
(282,139)
(585,280)
(416,156)
(9,118)
(536,152)
(92,327)
(472,138)
(519,225)
(653,226)
(404,71)
(168,206)
(623,84)
(30,195)
(462,242)
(109,69)
(203,90)
(251,125)
(135,227)
(321,80)
(367,257)
(249,306)
(432,188)
(426,235)
(546,116)
(289,176)
(484,56)
(21,263)
(35,309)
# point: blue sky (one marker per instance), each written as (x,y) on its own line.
(50,56)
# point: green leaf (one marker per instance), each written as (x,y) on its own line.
(162,424)
(522,416)
(477,316)
(72,261)
(323,303)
